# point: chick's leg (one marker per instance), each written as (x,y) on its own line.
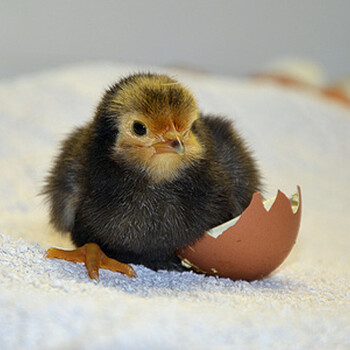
(93,257)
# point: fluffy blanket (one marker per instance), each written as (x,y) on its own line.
(297,137)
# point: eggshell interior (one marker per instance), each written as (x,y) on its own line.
(250,246)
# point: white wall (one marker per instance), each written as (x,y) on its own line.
(230,37)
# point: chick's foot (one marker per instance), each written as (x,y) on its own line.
(93,257)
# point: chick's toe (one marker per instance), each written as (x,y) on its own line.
(93,257)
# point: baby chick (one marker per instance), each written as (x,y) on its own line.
(147,176)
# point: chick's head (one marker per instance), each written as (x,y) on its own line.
(154,116)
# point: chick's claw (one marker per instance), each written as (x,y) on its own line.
(93,257)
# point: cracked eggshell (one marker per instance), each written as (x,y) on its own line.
(250,246)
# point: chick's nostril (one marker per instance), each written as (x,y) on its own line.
(178,146)
(175,144)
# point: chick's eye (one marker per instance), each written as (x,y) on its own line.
(139,128)
(193,127)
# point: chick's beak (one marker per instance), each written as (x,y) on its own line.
(173,143)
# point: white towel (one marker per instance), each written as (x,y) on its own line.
(297,138)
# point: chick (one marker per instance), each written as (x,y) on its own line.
(147,176)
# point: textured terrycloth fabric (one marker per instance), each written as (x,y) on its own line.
(297,138)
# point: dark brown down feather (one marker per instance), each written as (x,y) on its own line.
(100,193)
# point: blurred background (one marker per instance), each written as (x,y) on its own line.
(221,36)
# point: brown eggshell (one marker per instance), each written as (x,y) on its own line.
(255,245)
